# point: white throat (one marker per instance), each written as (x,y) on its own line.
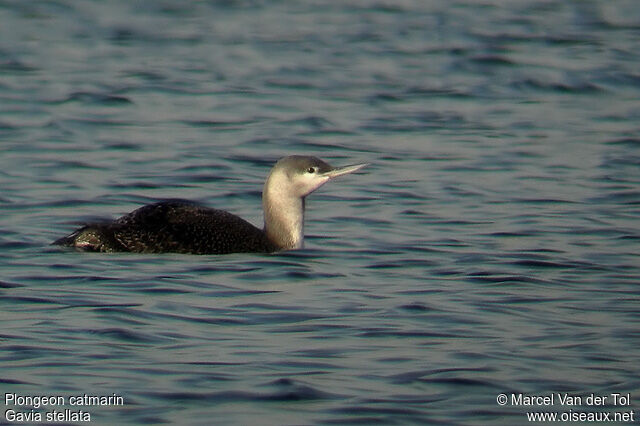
(283,212)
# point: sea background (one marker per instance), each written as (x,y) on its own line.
(492,246)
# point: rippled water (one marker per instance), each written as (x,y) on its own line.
(492,246)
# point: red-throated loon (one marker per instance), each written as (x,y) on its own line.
(178,226)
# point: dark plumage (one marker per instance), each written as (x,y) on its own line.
(176,226)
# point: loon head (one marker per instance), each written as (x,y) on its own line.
(289,182)
(299,175)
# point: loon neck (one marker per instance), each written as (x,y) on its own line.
(283,216)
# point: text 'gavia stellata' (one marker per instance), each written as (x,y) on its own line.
(178,226)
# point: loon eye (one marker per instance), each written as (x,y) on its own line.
(312,170)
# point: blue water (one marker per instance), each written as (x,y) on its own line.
(493,245)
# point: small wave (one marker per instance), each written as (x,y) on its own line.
(572,87)
(5,284)
(492,60)
(630,142)
(122,335)
(16,66)
(97,98)
(415,307)
(286,391)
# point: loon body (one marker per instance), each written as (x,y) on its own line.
(179,226)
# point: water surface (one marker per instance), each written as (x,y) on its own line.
(491,247)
